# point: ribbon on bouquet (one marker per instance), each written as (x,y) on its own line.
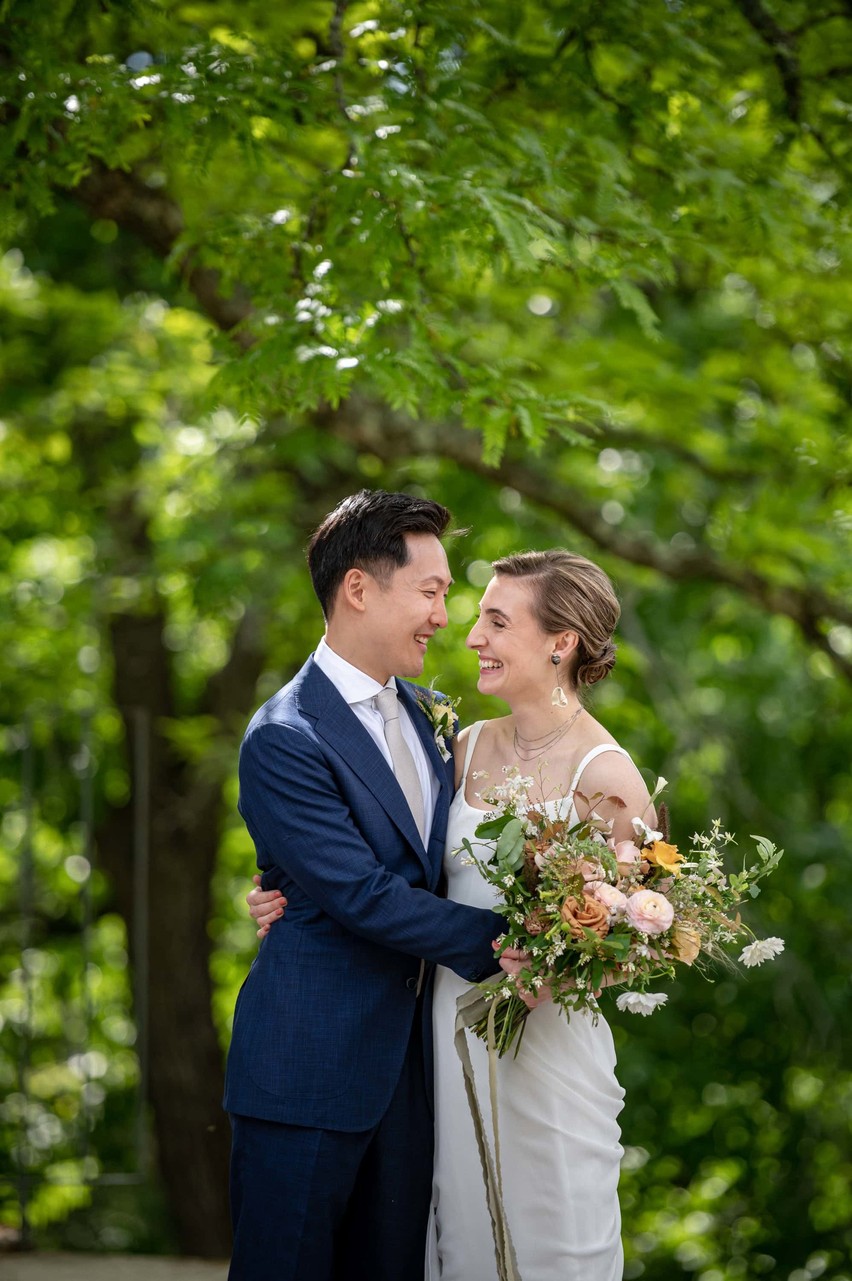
(471,1006)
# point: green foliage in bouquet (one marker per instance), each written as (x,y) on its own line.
(590,913)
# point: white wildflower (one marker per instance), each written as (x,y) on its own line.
(660,784)
(641,1002)
(761,950)
(509,881)
(648,834)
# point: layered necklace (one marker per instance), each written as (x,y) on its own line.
(529,749)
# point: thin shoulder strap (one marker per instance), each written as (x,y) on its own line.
(475,731)
(590,756)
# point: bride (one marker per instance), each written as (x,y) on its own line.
(544,631)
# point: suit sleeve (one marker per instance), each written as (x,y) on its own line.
(297,817)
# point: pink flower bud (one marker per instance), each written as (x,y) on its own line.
(628,855)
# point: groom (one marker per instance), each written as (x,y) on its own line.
(346,796)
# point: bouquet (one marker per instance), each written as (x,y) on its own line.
(591,913)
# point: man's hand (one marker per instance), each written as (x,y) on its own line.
(266,906)
(513,961)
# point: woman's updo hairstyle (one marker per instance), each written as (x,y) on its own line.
(571,594)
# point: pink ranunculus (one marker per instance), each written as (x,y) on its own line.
(612,898)
(649,912)
(628,856)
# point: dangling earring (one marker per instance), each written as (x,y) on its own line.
(557,698)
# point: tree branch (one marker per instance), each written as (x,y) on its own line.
(157,220)
(631,437)
(782,45)
(382,430)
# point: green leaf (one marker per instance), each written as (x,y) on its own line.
(510,845)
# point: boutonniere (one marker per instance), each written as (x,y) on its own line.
(441,715)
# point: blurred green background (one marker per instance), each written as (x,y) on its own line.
(581,272)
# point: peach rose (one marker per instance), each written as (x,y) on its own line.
(586,913)
(612,898)
(686,942)
(649,912)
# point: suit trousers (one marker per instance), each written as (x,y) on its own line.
(328,1205)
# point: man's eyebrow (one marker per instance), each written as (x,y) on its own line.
(436,578)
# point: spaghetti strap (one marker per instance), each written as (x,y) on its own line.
(475,731)
(590,756)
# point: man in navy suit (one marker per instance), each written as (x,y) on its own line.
(346,795)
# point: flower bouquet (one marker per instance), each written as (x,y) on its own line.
(590,913)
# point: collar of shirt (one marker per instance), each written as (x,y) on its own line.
(359,690)
(350,682)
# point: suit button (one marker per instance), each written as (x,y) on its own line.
(411,984)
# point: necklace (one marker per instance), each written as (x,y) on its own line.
(528,749)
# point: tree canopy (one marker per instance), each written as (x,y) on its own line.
(581,272)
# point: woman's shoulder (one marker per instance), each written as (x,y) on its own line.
(465,745)
(607,769)
(489,727)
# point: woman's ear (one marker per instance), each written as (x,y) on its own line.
(565,645)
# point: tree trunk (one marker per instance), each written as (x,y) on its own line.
(186,1078)
(185,1062)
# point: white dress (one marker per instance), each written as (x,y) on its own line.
(557,1109)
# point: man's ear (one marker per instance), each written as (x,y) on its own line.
(353,590)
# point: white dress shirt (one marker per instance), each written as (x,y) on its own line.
(359,690)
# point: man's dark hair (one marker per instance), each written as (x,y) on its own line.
(367,531)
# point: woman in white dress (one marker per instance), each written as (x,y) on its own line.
(544,630)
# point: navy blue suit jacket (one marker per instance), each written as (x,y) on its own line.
(324,1017)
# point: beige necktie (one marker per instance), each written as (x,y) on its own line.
(403,762)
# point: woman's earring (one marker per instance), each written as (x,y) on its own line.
(557,698)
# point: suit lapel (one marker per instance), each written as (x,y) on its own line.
(444,771)
(338,725)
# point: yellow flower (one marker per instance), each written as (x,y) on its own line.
(686,942)
(665,856)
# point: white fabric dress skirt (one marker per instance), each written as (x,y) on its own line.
(558,1104)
